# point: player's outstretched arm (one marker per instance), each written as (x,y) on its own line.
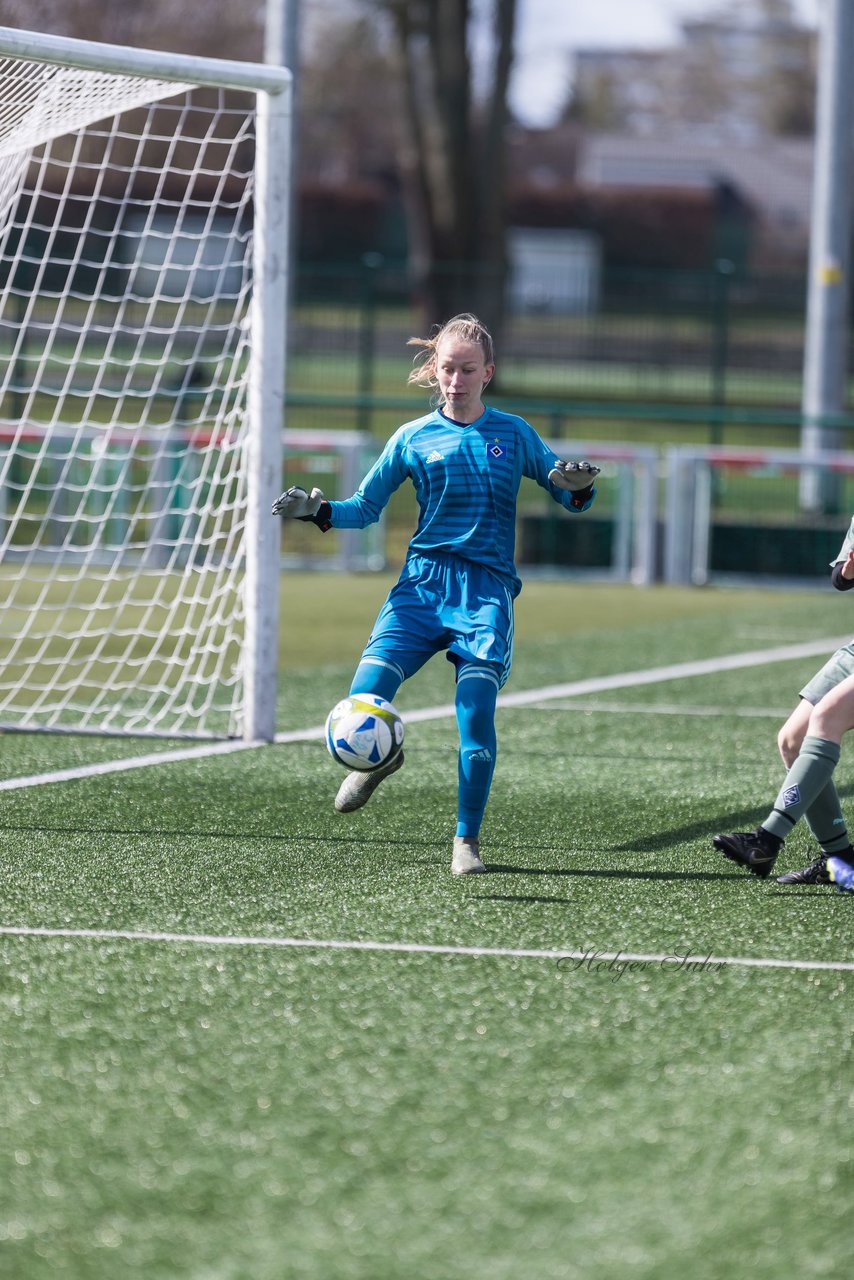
(573,476)
(296,504)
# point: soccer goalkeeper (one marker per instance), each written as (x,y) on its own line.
(456,591)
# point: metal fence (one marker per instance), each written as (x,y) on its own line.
(655,363)
(655,356)
(665,366)
(735,514)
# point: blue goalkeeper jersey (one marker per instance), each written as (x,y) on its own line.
(466,478)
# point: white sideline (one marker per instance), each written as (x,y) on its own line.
(132,762)
(595,684)
(675,960)
(651,675)
(675,709)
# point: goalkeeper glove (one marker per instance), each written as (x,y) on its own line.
(296,504)
(576,478)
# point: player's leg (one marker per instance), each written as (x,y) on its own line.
(793,732)
(806,779)
(476,691)
(809,781)
(479,612)
(825,820)
(380,675)
(400,643)
(823,813)
(824,816)
(812,771)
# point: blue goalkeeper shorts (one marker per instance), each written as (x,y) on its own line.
(442,602)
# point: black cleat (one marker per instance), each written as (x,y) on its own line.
(815,873)
(750,850)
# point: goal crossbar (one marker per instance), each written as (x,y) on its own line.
(154,64)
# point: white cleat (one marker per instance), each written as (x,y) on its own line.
(466,860)
(357,788)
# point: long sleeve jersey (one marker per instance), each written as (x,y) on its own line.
(466,479)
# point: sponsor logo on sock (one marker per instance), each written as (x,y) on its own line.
(484,754)
(791,796)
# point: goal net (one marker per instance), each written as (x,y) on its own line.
(142,271)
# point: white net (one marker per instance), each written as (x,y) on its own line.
(125,271)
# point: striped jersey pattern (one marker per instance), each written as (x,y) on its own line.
(466,479)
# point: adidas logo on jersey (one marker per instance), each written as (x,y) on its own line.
(435,456)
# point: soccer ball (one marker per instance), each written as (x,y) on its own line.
(363,731)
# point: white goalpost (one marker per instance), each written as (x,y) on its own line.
(143,276)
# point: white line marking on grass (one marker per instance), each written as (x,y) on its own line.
(676,671)
(652,675)
(596,684)
(673,959)
(132,762)
(670,709)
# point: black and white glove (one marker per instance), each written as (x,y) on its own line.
(575,476)
(296,504)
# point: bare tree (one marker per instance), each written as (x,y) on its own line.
(450,61)
(453,148)
(348,103)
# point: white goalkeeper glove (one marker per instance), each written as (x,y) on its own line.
(296,504)
(573,476)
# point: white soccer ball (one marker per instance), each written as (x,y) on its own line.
(363,731)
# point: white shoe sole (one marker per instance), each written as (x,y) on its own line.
(357,788)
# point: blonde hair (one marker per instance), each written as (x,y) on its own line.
(466,327)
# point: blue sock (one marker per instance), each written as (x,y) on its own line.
(379,677)
(477,689)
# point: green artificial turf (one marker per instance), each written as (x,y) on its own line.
(188,1109)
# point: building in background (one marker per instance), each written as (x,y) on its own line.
(739,77)
(686,155)
(773,179)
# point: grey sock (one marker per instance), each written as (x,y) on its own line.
(803,784)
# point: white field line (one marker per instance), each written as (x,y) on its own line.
(133,762)
(673,709)
(589,959)
(634,679)
(677,671)
(526,697)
